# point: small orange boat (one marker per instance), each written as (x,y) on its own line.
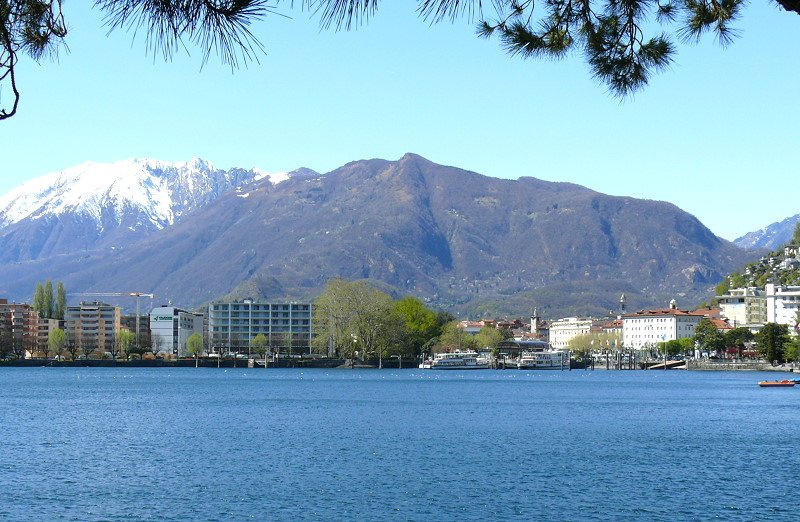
(777,384)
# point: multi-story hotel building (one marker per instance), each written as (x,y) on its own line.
(744,307)
(564,330)
(19,325)
(646,328)
(783,305)
(233,325)
(94,327)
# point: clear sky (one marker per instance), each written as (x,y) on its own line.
(716,134)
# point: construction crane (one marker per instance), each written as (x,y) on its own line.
(137,295)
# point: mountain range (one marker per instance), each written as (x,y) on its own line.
(462,241)
(770,237)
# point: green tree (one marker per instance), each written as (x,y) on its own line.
(707,337)
(454,338)
(351,317)
(489,338)
(48,305)
(737,337)
(194,345)
(127,342)
(61,301)
(771,339)
(585,344)
(56,341)
(38,299)
(260,345)
(791,350)
(675,347)
(420,324)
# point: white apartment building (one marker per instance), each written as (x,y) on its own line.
(563,330)
(783,303)
(744,307)
(646,328)
(171,327)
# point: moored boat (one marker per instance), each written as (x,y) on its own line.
(786,383)
(551,360)
(456,361)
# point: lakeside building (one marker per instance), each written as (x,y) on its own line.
(92,326)
(232,325)
(562,331)
(783,305)
(646,328)
(745,307)
(171,327)
(19,326)
(43,328)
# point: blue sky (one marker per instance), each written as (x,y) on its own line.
(715,134)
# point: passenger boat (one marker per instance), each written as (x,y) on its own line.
(555,360)
(456,361)
(777,384)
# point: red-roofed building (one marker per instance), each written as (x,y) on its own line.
(647,328)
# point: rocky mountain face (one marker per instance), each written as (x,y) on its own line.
(98,205)
(462,241)
(772,237)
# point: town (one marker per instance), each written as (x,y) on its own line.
(298,333)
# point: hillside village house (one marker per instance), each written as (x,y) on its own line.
(646,328)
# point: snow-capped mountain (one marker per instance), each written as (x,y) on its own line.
(772,237)
(102,204)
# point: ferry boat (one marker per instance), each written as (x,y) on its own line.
(554,360)
(777,384)
(456,361)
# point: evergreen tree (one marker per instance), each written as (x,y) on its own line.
(38,299)
(48,307)
(771,339)
(61,301)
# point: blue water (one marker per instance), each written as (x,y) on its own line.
(210,444)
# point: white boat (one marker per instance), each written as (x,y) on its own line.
(551,360)
(456,361)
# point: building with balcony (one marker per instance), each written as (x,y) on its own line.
(783,305)
(93,327)
(233,325)
(745,307)
(19,328)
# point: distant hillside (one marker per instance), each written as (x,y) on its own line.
(462,241)
(771,237)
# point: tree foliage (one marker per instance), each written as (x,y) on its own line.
(56,341)
(454,338)
(594,341)
(623,42)
(37,28)
(260,344)
(707,337)
(771,339)
(194,344)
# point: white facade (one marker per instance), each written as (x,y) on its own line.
(647,328)
(743,307)
(783,303)
(171,327)
(563,330)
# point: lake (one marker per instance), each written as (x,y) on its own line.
(239,444)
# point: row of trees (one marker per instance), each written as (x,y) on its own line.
(354,320)
(48,306)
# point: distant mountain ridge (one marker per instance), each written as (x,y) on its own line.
(771,237)
(462,241)
(109,204)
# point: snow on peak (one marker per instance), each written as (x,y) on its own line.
(157,189)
